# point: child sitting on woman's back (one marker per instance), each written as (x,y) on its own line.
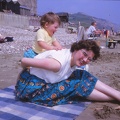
(44,39)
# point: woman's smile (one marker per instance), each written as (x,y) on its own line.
(82,57)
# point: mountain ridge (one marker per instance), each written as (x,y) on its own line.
(85,20)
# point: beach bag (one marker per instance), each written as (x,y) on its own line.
(9,39)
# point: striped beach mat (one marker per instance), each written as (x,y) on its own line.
(11,109)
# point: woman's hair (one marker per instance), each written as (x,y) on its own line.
(87,45)
(49,17)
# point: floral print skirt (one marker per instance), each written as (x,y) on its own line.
(77,87)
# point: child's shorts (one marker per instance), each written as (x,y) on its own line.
(29,53)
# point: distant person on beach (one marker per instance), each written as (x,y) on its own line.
(51,77)
(44,39)
(112,31)
(105,32)
(2,38)
(92,31)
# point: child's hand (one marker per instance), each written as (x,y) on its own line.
(60,48)
(57,48)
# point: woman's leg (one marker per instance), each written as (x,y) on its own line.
(99,96)
(103,92)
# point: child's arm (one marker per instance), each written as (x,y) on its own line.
(44,45)
(57,45)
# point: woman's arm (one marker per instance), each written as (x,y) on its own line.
(46,63)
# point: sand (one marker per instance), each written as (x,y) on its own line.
(106,68)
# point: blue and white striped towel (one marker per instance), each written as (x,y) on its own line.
(11,109)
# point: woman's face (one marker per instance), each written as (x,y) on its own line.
(51,28)
(81,57)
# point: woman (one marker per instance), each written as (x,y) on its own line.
(53,78)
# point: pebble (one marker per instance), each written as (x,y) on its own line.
(23,39)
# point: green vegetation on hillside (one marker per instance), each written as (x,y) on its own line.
(85,20)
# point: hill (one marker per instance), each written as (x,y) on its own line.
(86,20)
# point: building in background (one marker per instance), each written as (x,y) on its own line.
(28,6)
(22,7)
(64,17)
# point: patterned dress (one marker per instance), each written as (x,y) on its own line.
(30,88)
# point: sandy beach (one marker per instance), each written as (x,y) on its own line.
(106,68)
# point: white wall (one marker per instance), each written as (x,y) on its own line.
(14,20)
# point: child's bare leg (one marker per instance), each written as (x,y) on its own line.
(103,92)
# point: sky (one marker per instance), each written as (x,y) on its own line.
(106,9)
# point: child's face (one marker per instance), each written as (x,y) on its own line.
(51,28)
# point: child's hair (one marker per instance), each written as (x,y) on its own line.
(49,17)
